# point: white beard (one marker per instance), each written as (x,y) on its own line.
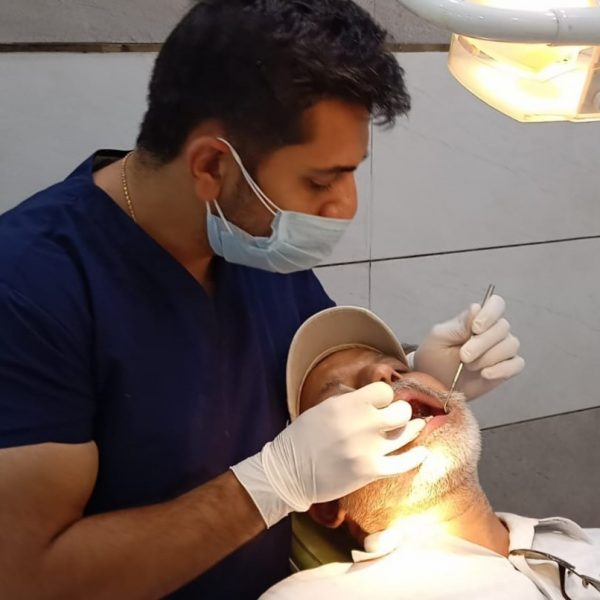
(455,448)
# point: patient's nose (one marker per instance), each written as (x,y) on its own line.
(380,372)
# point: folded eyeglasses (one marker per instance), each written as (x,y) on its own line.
(566,571)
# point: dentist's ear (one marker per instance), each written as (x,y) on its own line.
(328,514)
(205,157)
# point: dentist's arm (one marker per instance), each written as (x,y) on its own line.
(331,450)
(50,551)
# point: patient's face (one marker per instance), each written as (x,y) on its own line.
(453,440)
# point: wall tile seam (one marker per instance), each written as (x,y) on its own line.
(461,251)
(370,213)
(543,418)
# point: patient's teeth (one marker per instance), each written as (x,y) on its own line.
(427,419)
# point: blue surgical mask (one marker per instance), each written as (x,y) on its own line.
(298,241)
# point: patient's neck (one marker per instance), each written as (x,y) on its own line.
(464,513)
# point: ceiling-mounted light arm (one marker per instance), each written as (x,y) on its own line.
(558,26)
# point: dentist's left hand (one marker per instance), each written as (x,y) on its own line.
(479,337)
(331,450)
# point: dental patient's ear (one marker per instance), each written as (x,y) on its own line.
(328,514)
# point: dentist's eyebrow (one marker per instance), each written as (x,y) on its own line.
(337,169)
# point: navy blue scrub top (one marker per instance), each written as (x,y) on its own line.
(106,337)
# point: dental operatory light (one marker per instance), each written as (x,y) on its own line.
(529,59)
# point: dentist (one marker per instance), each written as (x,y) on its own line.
(147,304)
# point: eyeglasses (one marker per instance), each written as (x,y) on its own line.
(565,571)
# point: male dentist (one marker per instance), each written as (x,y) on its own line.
(147,304)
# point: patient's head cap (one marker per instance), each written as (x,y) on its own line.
(330,331)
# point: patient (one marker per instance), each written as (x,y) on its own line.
(430,533)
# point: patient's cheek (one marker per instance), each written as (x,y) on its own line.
(427,380)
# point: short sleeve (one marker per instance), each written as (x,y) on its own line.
(45,376)
(315,297)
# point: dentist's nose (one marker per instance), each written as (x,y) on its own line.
(343,202)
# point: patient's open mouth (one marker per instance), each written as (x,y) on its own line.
(424,406)
(421,410)
(433,415)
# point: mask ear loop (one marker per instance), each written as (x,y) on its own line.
(221,215)
(264,199)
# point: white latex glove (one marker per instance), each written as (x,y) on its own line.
(480,338)
(331,450)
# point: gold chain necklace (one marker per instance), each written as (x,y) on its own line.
(126,187)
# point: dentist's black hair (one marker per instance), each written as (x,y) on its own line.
(256,65)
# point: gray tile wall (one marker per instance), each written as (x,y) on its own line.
(545,468)
(103,21)
(149,21)
(56,109)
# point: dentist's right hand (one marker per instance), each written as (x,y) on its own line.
(334,448)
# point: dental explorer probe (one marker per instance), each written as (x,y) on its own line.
(488,295)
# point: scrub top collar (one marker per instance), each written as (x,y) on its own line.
(132,239)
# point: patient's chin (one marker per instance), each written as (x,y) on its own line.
(454,452)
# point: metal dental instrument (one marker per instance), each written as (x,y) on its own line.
(488,295)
